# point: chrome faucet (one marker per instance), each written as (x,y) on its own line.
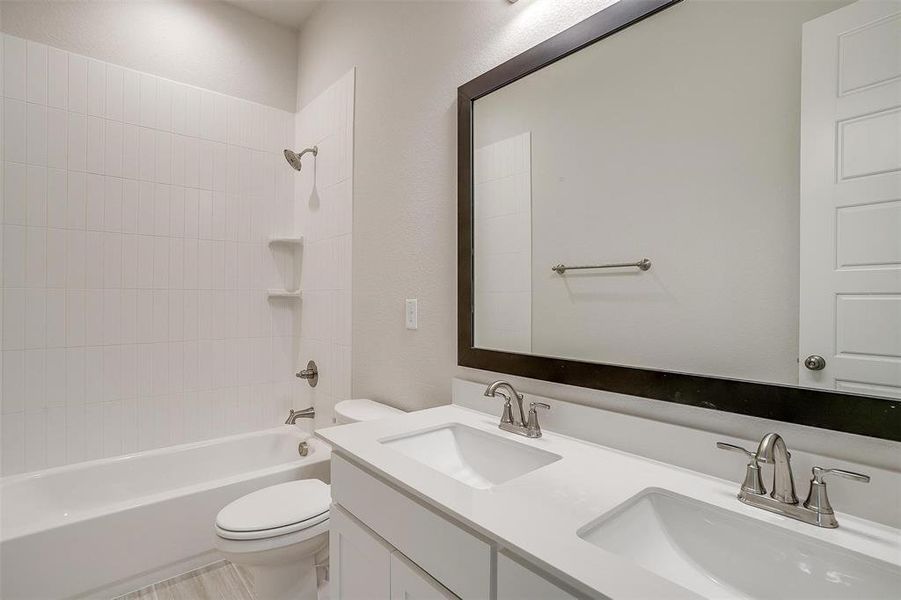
(816,510)
(304,413)
(524,425)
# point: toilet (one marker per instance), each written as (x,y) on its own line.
(276,532)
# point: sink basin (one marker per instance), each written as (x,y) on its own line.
(477,458)
(721,554)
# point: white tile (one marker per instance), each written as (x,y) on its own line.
(35,440)
(164,105)
(112,201)
(78,84)
(128,326)
(15,193)
(176,316)
(131,100)
(115,93)
(36,134)
(145,262)
(13,381)
(13,319)
(179,108)
(75,256)
(93,260)
(55,326)
(113,139)
(131,152)
(94,145)
(56,377)
(112,260)
(15,241)
(147,155)
(96,93)
(112,318)
(36,73)
(35,379)
(56,198)
(130,261)
(192,162)
(177,211)
(58,79)
(75,372)
(148,100)
(56,258)
(178,160)
(130,199)
(112,429)
(36,192)
(36,257)
(15,130)
(144,323)
(75,433)
(78,141)
(161,196)
(93,321)
(13,443)
(35,318)
(75,318)
(57,138)
(205,164)
(14,67)
(56,437)
(191,213)
(93,428)
(218,216)
(163,172)
(75,201)
(94,204)
(160,263)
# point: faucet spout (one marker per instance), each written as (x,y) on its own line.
(495,388)
(772,451)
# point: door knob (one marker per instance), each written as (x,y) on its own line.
(815,362)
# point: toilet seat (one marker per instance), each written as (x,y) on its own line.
(274,511)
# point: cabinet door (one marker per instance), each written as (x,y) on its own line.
(409,582)
(516,581)
(360,561)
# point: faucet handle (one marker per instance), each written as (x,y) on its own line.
(753,482)
(533,430)
(818,499)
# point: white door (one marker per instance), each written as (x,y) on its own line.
(409,582)
(359,560)
(851,199)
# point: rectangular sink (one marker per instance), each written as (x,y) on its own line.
(721,554)
(479,459)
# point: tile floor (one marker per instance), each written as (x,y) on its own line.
(218,581)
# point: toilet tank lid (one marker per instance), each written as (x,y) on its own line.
(365,410)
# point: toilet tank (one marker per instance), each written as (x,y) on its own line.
(354,411)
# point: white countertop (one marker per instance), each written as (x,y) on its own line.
(538,514)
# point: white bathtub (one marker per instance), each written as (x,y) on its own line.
(109,526)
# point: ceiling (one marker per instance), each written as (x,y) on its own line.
(290,13)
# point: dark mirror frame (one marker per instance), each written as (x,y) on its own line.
(863,415)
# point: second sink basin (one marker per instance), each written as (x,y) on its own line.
(721,554)
(479,459)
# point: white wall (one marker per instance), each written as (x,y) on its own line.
(209,44)
(645,145)
(136,216)
(409,58)
(324,216)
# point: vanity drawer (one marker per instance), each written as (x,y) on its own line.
(457,559)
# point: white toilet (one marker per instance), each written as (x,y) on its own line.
(277,531)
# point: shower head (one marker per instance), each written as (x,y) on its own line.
(293,158)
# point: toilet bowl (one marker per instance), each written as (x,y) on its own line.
(276,532)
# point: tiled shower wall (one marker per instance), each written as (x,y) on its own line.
(136,215)
(324,215)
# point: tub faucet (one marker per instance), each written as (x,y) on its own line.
(304,413)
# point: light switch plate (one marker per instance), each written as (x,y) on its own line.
(411,313)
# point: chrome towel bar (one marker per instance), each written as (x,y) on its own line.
(644,264)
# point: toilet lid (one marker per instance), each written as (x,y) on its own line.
(277,506)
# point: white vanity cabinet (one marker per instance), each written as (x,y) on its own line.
(384,545)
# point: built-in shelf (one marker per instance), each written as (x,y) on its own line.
(286,240)
(284,294)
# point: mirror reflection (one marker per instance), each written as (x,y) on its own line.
(714,190)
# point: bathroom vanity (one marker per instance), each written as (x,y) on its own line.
(442,503)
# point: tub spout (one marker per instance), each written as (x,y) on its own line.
(304,413)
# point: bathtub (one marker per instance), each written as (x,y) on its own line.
(109,526)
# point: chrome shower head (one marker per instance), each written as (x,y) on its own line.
(293,158)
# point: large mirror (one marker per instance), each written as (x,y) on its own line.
(714,190)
